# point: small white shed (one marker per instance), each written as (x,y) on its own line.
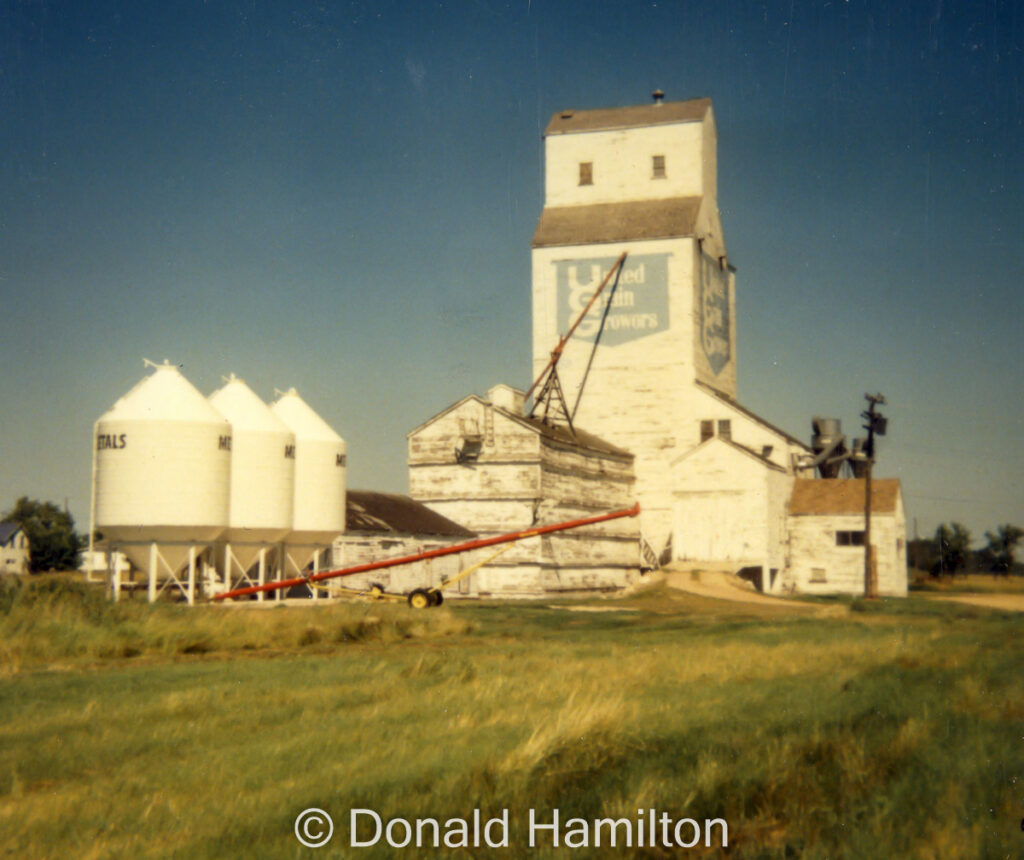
(826,537)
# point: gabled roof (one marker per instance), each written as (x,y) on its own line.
(571,120)
(558,433)
(7,531)
(387,512)
(757,455)
(839,496)
(753,416)
(445,411)
(673,217)
(742,449)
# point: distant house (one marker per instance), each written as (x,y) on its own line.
(826,537)
(386,525)
(14,549)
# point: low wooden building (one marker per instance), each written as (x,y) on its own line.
(826,537)
(14,549)
(379,526)
(484,464)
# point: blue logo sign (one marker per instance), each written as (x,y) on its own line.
(639,306)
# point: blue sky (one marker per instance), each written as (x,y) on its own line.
(340,197)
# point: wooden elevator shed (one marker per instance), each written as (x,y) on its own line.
(485,465)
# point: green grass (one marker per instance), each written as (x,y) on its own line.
(890,732)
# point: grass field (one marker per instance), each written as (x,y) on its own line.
(885,730)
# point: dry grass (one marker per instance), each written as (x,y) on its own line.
(889,732)
(63,623)
(974,583)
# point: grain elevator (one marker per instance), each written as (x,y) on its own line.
(643,180)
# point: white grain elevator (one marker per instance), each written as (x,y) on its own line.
(640,180)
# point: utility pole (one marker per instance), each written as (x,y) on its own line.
(876,424)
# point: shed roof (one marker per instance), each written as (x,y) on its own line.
(617,222)
(571,120)
(367,511)
(7,531)
(839,496)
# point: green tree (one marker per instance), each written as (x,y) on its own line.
(999,554)
(953,545)
(921,553)
(53,542)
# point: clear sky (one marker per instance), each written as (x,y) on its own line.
(340,196)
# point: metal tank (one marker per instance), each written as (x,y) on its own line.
(318,515)
(162,459)
(262,475)
(829,446)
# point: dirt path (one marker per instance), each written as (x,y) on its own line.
(726,586)
(1006,602)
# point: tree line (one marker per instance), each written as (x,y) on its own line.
(53,542)
(949,551)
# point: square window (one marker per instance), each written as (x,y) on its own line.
(707,430)
(586,173)
(850,538)
(818,574)
(725,428)
(659,167)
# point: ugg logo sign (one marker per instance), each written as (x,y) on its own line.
(639,306)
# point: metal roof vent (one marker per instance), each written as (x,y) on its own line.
(658,96)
